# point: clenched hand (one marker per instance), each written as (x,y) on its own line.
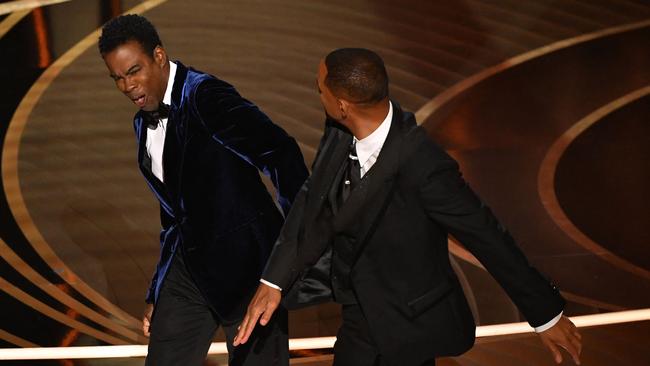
(146,319)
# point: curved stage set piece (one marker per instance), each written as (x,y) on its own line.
(545,104)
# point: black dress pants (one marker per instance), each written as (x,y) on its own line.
(183,325)
(354,344)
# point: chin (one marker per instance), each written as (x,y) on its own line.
(150,108)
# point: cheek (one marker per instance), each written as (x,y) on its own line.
(326,104)
(323,102)
(120,84)
(147,81)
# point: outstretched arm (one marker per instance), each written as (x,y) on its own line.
(449,201)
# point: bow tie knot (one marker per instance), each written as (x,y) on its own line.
(154,117)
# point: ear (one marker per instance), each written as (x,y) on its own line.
(160,56)
(344,108)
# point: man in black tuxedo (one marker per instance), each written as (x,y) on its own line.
(200,147)
(369,229)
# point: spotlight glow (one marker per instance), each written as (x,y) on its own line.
(57,353)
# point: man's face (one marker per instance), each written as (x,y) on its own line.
(330,102)
(141,77)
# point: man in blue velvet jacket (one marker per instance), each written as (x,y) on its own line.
(200,147)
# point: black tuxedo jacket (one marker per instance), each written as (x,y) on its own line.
(399,218)
(213,204)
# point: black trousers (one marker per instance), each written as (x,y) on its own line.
(183,325)
(354,344)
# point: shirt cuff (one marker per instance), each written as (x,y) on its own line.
(550,324)
(270,284)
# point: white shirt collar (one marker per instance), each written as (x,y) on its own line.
(167,99)
(370,144)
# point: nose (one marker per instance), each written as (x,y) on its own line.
(126,85)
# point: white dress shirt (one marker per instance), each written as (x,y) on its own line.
(156,137)
(368,149)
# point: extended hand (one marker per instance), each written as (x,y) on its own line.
(563,334)
(146,319)
(263,304)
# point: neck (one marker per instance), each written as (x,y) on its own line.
(366,120)
(166,73)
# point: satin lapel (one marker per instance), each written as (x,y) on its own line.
(334,152)
(145,167)
(175,137)
(375,183)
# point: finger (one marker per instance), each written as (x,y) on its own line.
(574,350)
(557,355)
(247,327)
(568,345)
(268,312)
(576,343)
(145,326)
(576,356)
(240,331)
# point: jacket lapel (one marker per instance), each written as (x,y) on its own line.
(373,199)
(144,162)
(334,152)
(175,137)
(172,151)
(360,211)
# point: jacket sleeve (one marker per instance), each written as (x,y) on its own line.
(242,128)
(449,201)
(285,264)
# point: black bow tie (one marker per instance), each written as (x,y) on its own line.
(152,118)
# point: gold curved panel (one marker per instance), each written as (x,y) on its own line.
(546,182)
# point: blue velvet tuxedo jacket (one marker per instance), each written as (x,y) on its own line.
(213,205)
(398,219)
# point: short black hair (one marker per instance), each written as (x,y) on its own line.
(358,74)
(125,28)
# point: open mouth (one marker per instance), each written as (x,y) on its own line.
(139,100)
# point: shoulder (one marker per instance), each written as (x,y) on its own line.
(418,151)
(201,85)
(421,156)
(208,94)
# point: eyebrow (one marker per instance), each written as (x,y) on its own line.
(127,71)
